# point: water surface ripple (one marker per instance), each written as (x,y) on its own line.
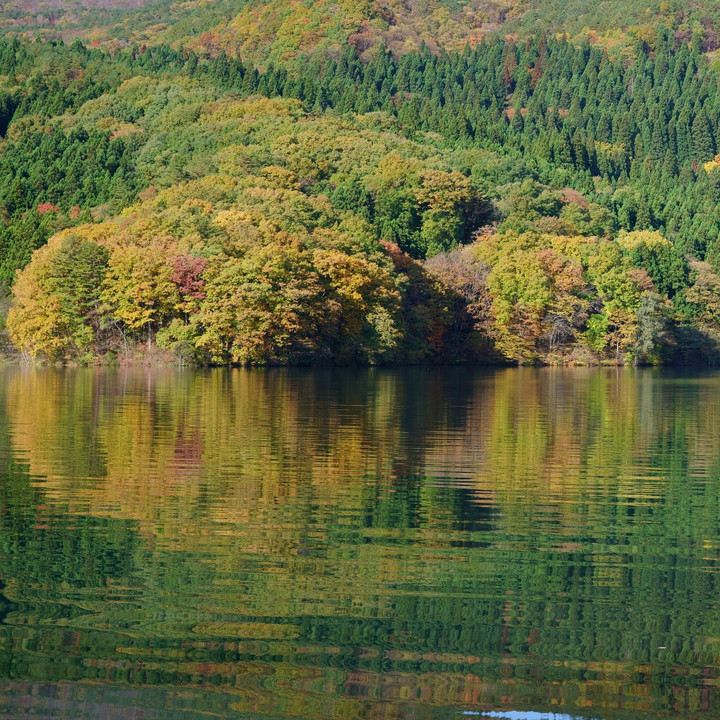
(359,544)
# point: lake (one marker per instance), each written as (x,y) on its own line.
(406,544)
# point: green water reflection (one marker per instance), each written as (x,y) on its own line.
(359,543)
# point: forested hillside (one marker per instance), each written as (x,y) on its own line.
(280,31)
(531,198)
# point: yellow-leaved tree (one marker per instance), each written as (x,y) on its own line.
(263,306)
(366,319)
(56,299)
(138,290)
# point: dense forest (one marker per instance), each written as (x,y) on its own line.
(523,198)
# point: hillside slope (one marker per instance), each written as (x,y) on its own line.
(277,31)
(326,182)
(534,202)
(262,30)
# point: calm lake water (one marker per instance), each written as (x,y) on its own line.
(359,544)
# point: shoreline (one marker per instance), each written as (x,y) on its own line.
(166,360)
